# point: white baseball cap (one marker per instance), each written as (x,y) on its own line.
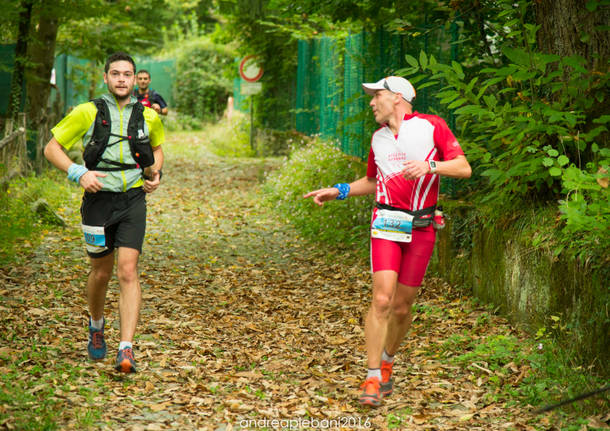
(395,84)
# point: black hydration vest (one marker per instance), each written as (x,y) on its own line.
(138,144)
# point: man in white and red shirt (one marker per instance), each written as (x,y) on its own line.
(408,155)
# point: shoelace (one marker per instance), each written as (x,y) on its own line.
(97,338)
(128,353)
(370,382)
(386,371)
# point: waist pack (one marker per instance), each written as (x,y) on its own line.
(421,218)
(139,143)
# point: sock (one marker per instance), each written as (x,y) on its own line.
(97,324)
(386,357)
(124,345)
(374,372)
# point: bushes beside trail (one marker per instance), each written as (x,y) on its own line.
(21,226)
(342,224)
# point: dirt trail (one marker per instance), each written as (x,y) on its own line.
(241,320)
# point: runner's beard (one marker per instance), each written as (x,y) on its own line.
(121,98)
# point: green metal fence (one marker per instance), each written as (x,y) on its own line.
(329,99)
(162,75)
(79,80)
(74,78)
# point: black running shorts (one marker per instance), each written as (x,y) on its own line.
(112,220)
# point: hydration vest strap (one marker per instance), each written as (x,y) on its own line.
(139,145)
(119,166)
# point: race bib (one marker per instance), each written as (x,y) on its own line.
(392,225)
(95,238)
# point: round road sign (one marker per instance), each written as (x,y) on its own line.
(249,70)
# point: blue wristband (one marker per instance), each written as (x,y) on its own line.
(344,189)
(76,171)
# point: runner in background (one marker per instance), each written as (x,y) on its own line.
(147,96)
(408,154)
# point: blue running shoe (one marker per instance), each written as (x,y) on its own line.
(125,362)
(97,345)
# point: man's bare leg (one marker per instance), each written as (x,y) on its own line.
(400,317)
(130,298)
(97,284)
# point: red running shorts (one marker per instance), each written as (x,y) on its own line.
(408,259)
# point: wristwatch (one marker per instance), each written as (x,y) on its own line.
(432,165)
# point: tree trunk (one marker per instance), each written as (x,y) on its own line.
(41,54)
(16,95)
(568,28)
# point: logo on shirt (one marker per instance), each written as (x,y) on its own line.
(397,157)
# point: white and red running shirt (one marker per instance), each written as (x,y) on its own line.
(420,137)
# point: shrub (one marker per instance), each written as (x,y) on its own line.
(20,226)
(342,224)
(278,142)
(203,73)
(230,139)
(177,121)
(531,131)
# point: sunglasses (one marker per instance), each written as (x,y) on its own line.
(387,87)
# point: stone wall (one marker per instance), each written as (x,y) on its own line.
(500,266)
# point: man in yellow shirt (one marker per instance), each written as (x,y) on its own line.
(122,141)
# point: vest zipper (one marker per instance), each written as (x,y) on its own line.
(121,158)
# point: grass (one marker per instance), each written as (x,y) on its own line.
(34,399)
(21,229)
(235,143)
(495,360)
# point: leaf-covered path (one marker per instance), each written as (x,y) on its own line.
(241,320)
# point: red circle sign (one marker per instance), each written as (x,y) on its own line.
(249,70)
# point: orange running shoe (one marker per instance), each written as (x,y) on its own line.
(370,395)
(125,362)
(386,386)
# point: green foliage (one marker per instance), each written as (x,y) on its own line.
(531,131)
(93,29)
(142,27)
(20,227)
(269,143)
(177,121)
(183,21)
(342,224)
(202,79)
(548,372)
(230,139)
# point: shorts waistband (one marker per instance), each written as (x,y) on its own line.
(129,192)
